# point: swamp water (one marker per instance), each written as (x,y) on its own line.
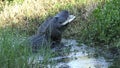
(78,57)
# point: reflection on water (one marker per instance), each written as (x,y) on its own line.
(79,57)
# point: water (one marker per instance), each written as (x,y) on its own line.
(79,57)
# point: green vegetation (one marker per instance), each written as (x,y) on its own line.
(103,28)
(20,19)
(104,25)
(12,52)
(116,63)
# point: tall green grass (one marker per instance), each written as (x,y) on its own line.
(13,54)
(15,51)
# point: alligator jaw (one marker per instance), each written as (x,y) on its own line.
(69,19)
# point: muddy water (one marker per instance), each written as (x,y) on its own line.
(79,57)
(82,57)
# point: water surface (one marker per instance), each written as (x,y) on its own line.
(79,56)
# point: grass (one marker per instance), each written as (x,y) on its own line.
(20,19)
(12,52)
(104,27)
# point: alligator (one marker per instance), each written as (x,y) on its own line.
(50,31)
